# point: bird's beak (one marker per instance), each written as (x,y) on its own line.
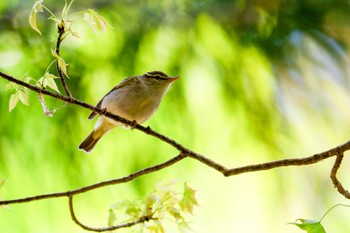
(172,79)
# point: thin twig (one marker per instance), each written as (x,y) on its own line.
(61,30)
(334,178)
(101,229)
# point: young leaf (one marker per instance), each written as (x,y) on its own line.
(11,86)
(38,6)
(32,17)
(188,200)
(50,82)
(23,96)
(95,20)
(310,226)
(13,101)
(61,63)
(111,218)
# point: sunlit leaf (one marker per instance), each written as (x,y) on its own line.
(64,10)
(50,82)
(23,96)
(310,226)
(27,78)
(95,20)
(13,101)
(175,213)
(111,217)
(184,227)
(188,200)
(61,63)
(156,227)
(38,7)
(32,17)
(11,86)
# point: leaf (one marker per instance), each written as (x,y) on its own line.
(13,101)
(32,17)
(23,96)
(50,82)
(95,20)
(61,63)
(65,9)
(310,226)
(27,78)
(156,227)
(184,227)
(38,6)
(111,218)
(11,86)
(188,200)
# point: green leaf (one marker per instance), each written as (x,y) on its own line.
(64,10)
(32,17)
(38,6)
(95,20)
(14,98)
(156,227)
(184,227)
(61,63)
(11,86)
(23,96)
(188,200)
(27,78)
(50,82)
(111,218)
(310,226)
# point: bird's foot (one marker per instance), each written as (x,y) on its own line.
(133,124)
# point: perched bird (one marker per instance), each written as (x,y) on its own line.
(135,98)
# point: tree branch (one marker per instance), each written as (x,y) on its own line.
(184,152)
(334,178)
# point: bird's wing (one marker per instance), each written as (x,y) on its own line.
(98,105)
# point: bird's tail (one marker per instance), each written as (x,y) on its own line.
(89,143)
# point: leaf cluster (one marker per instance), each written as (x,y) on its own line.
(162,204)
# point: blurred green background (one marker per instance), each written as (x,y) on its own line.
(260,81)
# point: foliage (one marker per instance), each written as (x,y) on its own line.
(160,205)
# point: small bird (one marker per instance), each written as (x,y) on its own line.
(135,98)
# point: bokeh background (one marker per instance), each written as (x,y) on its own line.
(260,81)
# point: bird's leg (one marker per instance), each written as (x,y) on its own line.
(103,111)
(133,124)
